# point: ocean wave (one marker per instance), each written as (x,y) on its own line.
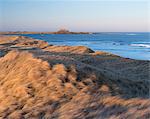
(131,34)
(145,42)
(141,45)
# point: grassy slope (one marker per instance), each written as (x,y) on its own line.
(75,83)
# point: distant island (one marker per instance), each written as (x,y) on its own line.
(61,31)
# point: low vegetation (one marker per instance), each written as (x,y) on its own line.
(73,83)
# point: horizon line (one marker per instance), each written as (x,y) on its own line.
(75,31)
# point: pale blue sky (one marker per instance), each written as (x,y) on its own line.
(75,15)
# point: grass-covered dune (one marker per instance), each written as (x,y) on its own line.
(42,81)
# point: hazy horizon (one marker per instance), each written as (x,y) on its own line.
(88,16)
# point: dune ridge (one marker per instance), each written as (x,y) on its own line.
(38,81)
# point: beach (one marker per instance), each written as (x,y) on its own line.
(42,80)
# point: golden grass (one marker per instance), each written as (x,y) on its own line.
(70,49)
(80,84)
(31,88)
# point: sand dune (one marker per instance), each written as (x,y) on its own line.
(44,81)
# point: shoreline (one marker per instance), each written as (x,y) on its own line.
(115,54)
(93,51)
(23,43)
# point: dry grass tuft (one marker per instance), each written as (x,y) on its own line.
(70,49)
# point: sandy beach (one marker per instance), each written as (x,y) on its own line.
(39,80)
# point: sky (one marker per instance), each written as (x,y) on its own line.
(75,15)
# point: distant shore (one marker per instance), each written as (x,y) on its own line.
(28,32)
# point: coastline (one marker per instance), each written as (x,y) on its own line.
(123,48)
(23,43)
(69,81)
(62,48)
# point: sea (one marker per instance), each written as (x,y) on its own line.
(134,45)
